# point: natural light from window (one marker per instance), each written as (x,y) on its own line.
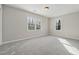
(71,49)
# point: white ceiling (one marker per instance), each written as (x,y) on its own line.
(54,9)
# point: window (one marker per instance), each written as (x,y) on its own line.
(38,24)
(58,25)
(33,24)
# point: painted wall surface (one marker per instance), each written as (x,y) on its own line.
(15,24)
(0,24)
(69,26)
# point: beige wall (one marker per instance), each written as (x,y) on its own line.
(70,26)
(0,24)
(14,24)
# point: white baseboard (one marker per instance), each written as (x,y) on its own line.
(63,37)
(23,39)
(34,37)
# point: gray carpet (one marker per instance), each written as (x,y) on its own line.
(48,45)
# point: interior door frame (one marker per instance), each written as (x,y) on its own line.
(1,24)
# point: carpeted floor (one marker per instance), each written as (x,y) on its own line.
(48,45)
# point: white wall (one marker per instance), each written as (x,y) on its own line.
(0,25)
(70,26)
(14,24)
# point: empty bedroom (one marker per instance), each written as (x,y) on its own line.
(39,29)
